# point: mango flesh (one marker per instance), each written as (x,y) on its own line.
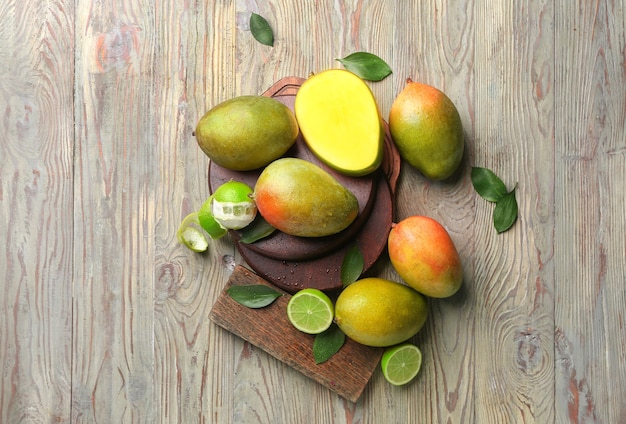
(424,255)
(379,312)
(301,199)
(340,121)
(247,132)
(426,127)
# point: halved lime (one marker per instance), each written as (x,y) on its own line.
(191,236)
(310,311)
(400,364)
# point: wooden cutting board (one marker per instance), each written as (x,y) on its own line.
(346,373)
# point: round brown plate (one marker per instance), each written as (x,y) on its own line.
(285,247)
(293,263)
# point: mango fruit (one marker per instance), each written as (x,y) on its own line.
(427,129)
(301,199)
(422,252)
(247,132)
(340,121)
(379,312)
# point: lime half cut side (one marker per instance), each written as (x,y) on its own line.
(401,364)
(310,311)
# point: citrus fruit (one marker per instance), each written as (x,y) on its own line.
(400,364)
(310,311)
(190,236)
(232,205)
(207,220)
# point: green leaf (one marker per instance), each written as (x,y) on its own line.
(253,296)
(505,213)
(366,65)
(327,343)
(258,229)
(261,30)
(352,265)
(487,184)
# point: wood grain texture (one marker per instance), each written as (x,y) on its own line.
(513,117)
(104,316)
(590,203)
(36,219)
(346,373)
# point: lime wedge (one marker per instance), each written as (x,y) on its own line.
(191,236)
(400,364)
(310,311)
(194,239)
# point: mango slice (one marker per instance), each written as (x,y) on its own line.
(340,121)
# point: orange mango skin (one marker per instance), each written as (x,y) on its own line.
(301,199)
(427,129)
(424,255)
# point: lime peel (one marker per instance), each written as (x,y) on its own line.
(232,205)
(190,236)
(208,222)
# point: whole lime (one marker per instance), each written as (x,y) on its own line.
(232,205)
(208,222)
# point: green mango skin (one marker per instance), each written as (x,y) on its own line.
(426,127)
(301,199)
(247,132)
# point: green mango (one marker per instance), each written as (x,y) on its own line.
(247,132)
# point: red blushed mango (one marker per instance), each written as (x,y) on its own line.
(301,199)
(424,255)
(427,129)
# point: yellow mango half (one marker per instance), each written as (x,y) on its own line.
(340,121)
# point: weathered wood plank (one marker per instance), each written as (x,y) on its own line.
(590,234)
(115,215)
(514,301)
(36,195)
(346,373)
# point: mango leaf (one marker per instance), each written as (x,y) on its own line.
(487,184)
(253,296)
(352,265)
(368,66)
(505,213)
(257,230)
(261,30)
(327,343)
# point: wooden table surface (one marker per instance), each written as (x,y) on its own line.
(104,315)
